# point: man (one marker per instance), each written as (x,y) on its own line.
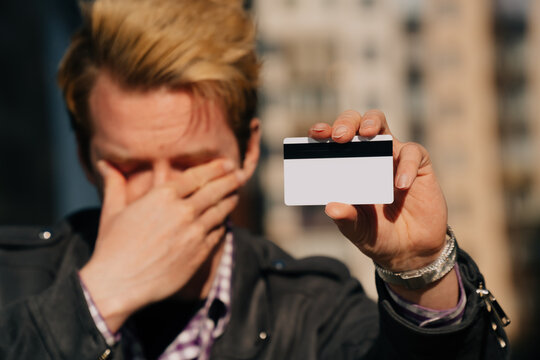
(163,95)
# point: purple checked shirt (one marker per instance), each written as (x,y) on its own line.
(197,338)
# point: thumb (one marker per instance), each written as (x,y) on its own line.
(114,190)
(345,216)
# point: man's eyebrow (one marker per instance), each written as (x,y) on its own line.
(204,154)
(115,157)
(119,158)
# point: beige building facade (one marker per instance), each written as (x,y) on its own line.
(533,70)
(322,57)
(430,66)
(462,133)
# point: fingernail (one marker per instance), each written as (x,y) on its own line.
(403,181)
(318,128)
(228,165)
(367,123)
(340,131)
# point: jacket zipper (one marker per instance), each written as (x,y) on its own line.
(492,305)
(105,355)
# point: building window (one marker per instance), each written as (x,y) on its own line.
(448,8)
(450,109)
(369,52)
(448,59)
(327,4)
(290,3)
(367,3)
(373,103)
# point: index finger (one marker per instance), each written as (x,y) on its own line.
(195,177)
(113,189)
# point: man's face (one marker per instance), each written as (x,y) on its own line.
(152,137)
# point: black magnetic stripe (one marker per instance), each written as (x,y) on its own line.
(335,150)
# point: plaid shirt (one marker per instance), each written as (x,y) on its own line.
(195,341)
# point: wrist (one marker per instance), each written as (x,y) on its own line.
(442,294)
(417,278)
(110,300)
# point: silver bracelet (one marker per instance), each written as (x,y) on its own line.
(419,278)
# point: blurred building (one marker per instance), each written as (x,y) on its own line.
(450,74)
(462,133)
(517,42)
(519,88)
(533,74)
(321,57)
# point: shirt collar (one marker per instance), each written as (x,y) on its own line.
(198,336)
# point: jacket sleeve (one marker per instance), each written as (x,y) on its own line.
(55,324)
(479,335)
(360,329)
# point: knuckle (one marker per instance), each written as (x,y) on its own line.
(342,121)
(165,192)
(411,147)
(169,192)
(408,145)
(192,177)
(408,164)
(375,113)
(422,149)
(349,117)
(194,233)
(188,212)
(350,114)
(205,198)
(197,178)
(212,211)
(414,153)
(198,231)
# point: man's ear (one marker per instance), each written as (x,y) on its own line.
(253,150)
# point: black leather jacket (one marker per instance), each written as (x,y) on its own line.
(282,308)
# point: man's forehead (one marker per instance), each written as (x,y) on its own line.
(114,105)
(131,124)
(110,99)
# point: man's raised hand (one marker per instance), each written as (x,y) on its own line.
(405,235)
(149,249)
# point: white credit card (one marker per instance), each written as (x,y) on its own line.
(357,172)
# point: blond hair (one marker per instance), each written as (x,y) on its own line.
(205,46)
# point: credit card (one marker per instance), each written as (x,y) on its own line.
(358,172)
